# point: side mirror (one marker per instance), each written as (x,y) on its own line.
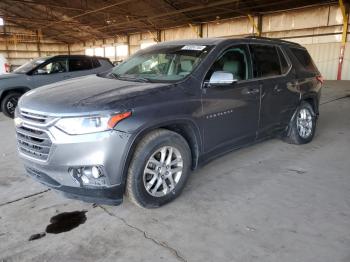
(220,78)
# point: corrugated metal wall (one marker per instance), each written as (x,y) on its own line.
(326,57)
(346,63)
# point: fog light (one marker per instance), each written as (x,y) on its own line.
(95,171)
(88,175)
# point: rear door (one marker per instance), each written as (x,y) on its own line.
(231,112)
(80,66)
(278,100)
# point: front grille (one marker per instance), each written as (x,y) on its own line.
(36,118)
(33,142)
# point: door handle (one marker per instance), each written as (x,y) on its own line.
(277,89)
(252,91)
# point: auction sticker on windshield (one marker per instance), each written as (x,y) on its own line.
(193,47)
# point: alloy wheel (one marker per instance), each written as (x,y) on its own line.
(163,171)
(304,123)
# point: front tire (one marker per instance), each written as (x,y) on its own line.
(302,126)
(159,169)
(9,104)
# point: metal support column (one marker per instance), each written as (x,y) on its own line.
(38,42)
(256,27)
(345,12)
(128,43)
(198,30)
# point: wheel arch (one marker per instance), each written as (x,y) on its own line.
(21,89)
(313,100)
(184,127)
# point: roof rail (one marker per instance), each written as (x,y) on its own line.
(272,39)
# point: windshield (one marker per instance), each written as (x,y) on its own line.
(163,64)
(30,65)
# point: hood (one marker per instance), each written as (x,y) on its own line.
(84,95)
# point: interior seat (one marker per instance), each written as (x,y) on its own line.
(233,67)
(186,67)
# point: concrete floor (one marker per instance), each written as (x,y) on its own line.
(269,202)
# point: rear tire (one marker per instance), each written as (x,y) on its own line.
(159,169)
(9,104)
(302,126)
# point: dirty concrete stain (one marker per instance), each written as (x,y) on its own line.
(62,222)
(66,221)
(299,172)
(36,236)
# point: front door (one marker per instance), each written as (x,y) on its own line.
(231,111)
(52,71)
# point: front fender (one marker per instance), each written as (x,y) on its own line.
(161,123)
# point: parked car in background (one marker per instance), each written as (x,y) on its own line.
(169,108)
(4,65)
(46,70)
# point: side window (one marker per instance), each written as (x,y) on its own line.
(265,61)
(283,61)
(235,61)
(304,59)
(54,67)
(78,64)
(95,63)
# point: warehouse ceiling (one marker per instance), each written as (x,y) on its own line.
(80,20)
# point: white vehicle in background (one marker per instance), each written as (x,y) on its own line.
(4,65)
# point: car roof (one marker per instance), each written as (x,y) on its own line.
(219,40)
(72,56)
(199,41)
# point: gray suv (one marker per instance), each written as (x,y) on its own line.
(43,71)
(140,128)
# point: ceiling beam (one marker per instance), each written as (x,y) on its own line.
(42,22)
(36,3)
(188,9)
(89,12)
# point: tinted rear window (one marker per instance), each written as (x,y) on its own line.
(77,64)
(266,61)
(304,59)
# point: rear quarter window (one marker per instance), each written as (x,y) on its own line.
(95,63)
(304,59)
(284,64)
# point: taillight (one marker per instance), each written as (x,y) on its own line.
(320,79)
(7,68)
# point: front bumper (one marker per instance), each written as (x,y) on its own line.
(112,195)
(107,150)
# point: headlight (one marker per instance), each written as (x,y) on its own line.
(91,124)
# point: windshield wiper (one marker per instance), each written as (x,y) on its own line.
(130,78)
